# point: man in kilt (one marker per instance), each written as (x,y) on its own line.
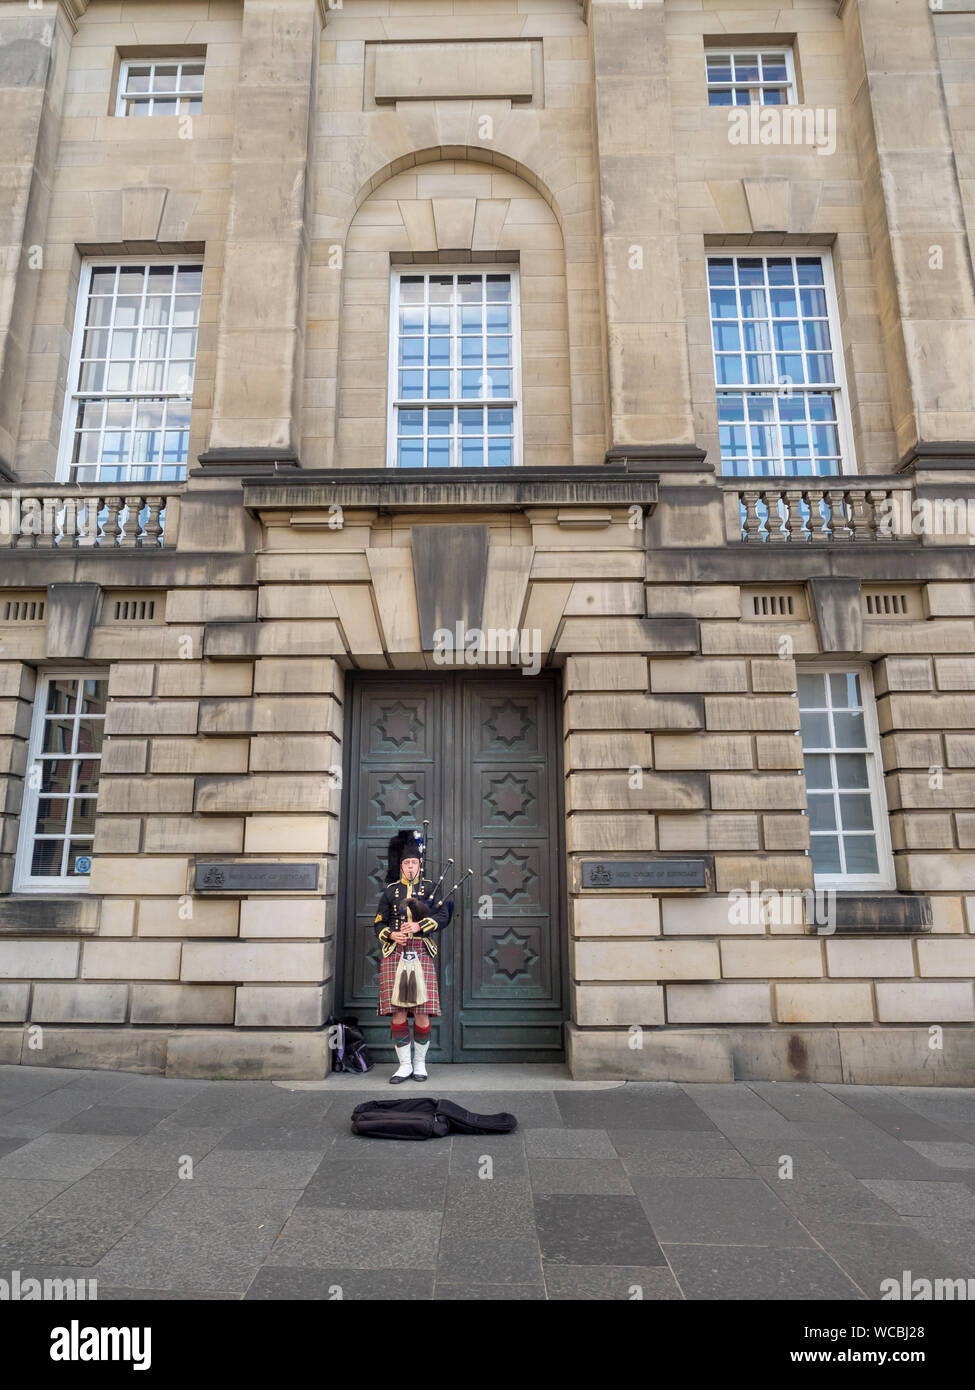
(407,919)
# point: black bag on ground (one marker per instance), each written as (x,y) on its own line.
(399,1119)
(424,1118)
(466,1122)
(350,1053)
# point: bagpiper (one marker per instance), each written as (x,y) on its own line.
(409,916)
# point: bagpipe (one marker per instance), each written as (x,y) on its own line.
(409,988)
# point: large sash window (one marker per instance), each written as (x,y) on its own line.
(454,376)
(127,418)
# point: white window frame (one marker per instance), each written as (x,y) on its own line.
(74,396)
(885,879)
(514,403)
(732,52)
(121,97)
(24,881)
(840,388)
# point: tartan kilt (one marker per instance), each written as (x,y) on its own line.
(387,974)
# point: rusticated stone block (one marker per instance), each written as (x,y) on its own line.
(768,792)
(609,673)
(264,792)
(624,916)
(915,1001)
(667,791)
(602,1006)
(718,1003)
(102,1003)
(194,1004)
(130,960)
(823,1003)
(751,712)
(151,717)
(39,960)
(646,960)
(280,1006)
(288,962)
(606,831)
(697,676)
(677,752)
(282,917)
(269,714)
(13,1002)
(767,959)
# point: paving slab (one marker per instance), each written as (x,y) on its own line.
(710,1272)
(595,1230)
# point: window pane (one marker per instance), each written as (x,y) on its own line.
(855,813)
(851,770)
(850,731)
(62,697)
(58,734)
(818,770)
(844,690)
(825,851)
(861,854)
(46,858)
(52,815)
(815,729)
(822,812)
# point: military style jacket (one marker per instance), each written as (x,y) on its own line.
(394,899)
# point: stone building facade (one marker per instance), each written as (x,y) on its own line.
(553,421)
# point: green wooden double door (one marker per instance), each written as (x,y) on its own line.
(478,757)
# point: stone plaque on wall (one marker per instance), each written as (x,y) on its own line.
(644,873)
(255,878)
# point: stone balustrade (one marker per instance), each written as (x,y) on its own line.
(68,518)
(815,511)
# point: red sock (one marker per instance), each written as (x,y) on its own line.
(421,1035)
(401,1033)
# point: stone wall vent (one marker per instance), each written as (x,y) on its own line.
(772,605)
(26,608)
(892,603)
(132,608)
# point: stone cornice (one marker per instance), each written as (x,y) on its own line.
(443,489)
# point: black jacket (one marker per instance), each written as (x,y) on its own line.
(430,918)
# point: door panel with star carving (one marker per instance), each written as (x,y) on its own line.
(478,757)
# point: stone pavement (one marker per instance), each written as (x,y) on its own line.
(604,1186)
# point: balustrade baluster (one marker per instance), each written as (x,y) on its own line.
(817,522)
(779,532)
(752,526)
(112,529)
